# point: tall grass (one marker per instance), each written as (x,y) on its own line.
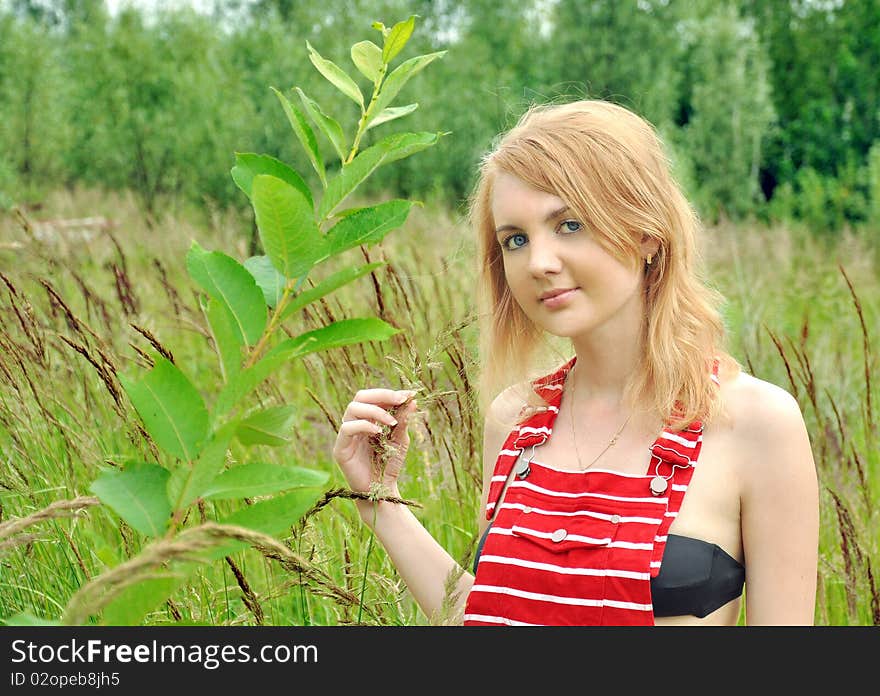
(75,311)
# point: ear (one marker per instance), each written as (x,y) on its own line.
(649,245)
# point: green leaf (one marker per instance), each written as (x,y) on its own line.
(367,57)
(400,76)
(271,426)
(350,177)
(340,333)
(248,165)
(367,225)
(391,113)
(227,338)
(328,285)
(134,602)
(402,145)
(328,125)
(389,149)
(171,408)
(230,283)
(270,516)
(189,482)
(397,38)
(336,76)
(286,223)
(257,479)
(275,515)
(305,134)
(138,495)
(269,280)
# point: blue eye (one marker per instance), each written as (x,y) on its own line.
(570,226)
(514,241)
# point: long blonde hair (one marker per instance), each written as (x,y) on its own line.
(609,166)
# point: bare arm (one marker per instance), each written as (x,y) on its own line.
(436,581)
(780,512)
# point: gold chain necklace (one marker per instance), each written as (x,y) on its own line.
(574,434)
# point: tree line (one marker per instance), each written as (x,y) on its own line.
(770,108)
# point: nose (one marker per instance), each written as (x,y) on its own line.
(544,256)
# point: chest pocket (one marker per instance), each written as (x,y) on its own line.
(563,533)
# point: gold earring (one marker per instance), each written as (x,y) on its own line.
(649,259)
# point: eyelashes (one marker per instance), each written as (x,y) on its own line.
(518,240)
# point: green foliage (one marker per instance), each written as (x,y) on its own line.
(731,112)
(751,92)
(246,304)
(137,494)
(171,408)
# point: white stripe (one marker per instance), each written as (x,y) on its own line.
(525,484)
(580,513)
(555,599)
(586,471)
(563,570)
(605,541)
(639,546)
(550,386)
(535,431)
(666,435)
(509,453)
(497,619)
(508,531)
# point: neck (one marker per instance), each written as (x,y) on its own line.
(606,364)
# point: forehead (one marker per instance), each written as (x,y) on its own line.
(513,200)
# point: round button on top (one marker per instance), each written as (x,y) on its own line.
(526,509)
(615,519)
(559,535)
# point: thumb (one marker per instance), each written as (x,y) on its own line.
(399,434)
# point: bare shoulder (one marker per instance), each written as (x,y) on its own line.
(506,407)
(501,416)
(758,408)
(767,425)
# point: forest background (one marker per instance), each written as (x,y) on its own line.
(129,121)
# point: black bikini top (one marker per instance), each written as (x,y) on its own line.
(695,577)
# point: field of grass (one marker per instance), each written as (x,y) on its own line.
(79,306)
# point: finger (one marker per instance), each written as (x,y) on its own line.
(350,429)
(399,433)
(361,411)
(390,397)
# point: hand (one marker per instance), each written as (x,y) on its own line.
(366,450)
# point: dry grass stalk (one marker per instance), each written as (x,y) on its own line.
(866,351)
(92,299)
(60,508)
(248,597)
(170,291)
(101,368)
(27,320)
(189,546)
(154,342)
(853,556)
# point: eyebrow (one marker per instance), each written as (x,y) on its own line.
(550,217)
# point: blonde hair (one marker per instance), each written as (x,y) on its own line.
(609,166)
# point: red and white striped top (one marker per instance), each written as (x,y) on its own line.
(576,547)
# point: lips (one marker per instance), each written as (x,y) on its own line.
(554,293)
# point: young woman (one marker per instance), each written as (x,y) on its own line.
(647,479)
